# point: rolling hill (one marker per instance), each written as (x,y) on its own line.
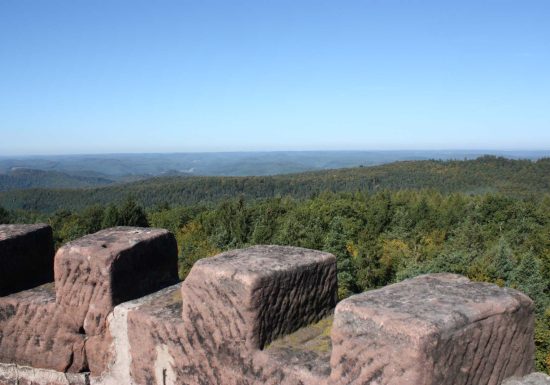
(485,174)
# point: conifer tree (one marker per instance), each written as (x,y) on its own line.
(4,216)
(335,243)
(528,278)
(131,214)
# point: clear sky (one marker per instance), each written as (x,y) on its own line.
(167,76)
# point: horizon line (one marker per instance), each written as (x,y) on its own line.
(486,151)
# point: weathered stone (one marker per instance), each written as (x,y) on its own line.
(11,374)
(434,329)
(532,379)
(257,294)
(159,355)
(35,332)
(26,257)
(305,353)
(99,271)
(155,346)
(258,316)
(65,330)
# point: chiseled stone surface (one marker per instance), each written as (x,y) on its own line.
(257,316)
(11,374)
(255,295)
(268,290)
(532,379)
(95,273)
(35,332)
(434,329)
(63,328)
(26,257)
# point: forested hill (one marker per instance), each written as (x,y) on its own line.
(24,178)
(482,175)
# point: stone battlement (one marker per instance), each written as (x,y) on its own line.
(114,313)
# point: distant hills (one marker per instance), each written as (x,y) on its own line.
(486,174)
(119,167)
(23,178)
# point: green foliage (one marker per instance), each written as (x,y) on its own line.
(503,262)
(336,243)
(4,215)
(68,225)
(131,214)
(193,245)
(527,277)
(171,219)
(110,217)
(542,342)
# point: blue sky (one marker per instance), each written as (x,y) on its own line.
(166,76)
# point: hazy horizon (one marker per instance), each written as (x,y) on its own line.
(480,151)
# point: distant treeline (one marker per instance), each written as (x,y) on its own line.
(518,178)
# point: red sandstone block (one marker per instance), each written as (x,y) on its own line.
(267,290)
(26,257)
(254,295)
(431,330)
(99,271)
(35,332)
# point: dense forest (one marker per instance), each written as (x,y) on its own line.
(23,178)
(487,219)
(518,178)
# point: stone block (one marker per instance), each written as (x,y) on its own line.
(26,257)
(224,300)
(99,271)
(35,332)
(434,329)
(243,299)
(95,273)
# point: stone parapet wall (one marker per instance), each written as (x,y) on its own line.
(115,314)
(61,325)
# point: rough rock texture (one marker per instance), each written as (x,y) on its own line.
(64,329)
(255,295)
(259,316)
(434,329)
(26,257)
(11,374)
(99,271)
(232,296)
(35,332)
(305,353)
(532,379)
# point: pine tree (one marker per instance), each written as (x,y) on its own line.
(4,216)
(110,217)
(528,278)
(131,214)
(336,243)
(503,262)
